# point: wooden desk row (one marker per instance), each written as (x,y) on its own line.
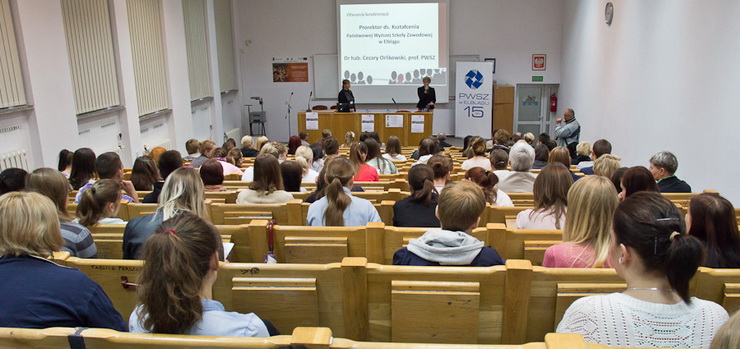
(340,123)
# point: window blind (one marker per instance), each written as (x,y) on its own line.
(147,46)
(11,77)
(196,40)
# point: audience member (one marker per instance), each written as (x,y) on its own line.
(144,173)
(83,168)
(156,152)
(318,158)
(479,159)
(583,153)
(248,150)
(304,158)
(276,149)
(192,146)
(52,184)
(728,336)
(376,160)
(109,166)
(519,179)
(364,136)
(562,155)
(543,139)
(427,148)
(441,138)
(206,149)
(65,162)
(487,181)
(529,138)
(303,135)
(338,207)
(220,155)
(711,219)
(601,147)
(606,165)
(182,192)
(657,259)
(441,166)
(591,205)
(100,203)
(501,140)
(363,172)
(267,186)
(293,143)
(418,209)
(459,208)
(38,293)
(292,173)
(466,143)
(212,175)
(181,263)
(168,162)
(541,155)
(617,178)
(234,157)
(12,179)
(636,179)
(499,160)
(261,141)
(349,139)
(663,166)
(229,144)
(393,149)
(550,200)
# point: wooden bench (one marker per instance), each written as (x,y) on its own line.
(510,243)
(233,214)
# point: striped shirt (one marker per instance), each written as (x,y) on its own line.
(78,240)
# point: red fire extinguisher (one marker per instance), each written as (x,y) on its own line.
(553,103)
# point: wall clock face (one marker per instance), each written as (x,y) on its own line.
(609,13)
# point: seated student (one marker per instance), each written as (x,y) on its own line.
(292,173)
(303,135)
(656,258)
(363,172)
(338,207)
(247,147)
(583,153)
(293,143)
(321,185)
(168,162)
(109,166)
(711,219)
(442,167)
(487,181)
(606,165)
(500,140)
(459,209)
(330,149)
(550,200)
(418,210)
(12,179)
(156,152)
(220,155)
(52,184)
(229,144)
(267,186)
(212,174)
(349,139)
(562,155)
(637,179)
(65,162)
(393,149)
(442,138)
(261,141)
(38,293)
(175,292)
(541,155)
(83,168)
(304,158)
(663,166)
(206,149)
(519,179)
(591,204)
(100,204)
(374,158)
(427,148)
(182,192)
(479,159)
(601,147)
(192,146)
(277,150)
(234,157)
(144,173)
(499,161)
(728,336)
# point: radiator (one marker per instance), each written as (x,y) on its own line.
(14,159)
(234,133)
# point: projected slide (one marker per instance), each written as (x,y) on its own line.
(392,44)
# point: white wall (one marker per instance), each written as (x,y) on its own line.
(663,76)
(510,31)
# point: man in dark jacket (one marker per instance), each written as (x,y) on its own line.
(663,165)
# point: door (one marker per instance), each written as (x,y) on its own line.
(533,109)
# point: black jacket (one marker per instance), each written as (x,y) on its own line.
(425,98)
(409,213)
(673,185)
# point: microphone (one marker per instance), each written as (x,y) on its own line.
(309,102)
(394,102)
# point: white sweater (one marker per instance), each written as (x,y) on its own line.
(623,321)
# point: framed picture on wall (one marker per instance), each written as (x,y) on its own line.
(493,60)
(539,62)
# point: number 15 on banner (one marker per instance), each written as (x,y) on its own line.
(475,112)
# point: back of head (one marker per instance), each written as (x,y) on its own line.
(541,153)
(261,142)
(168,162)
(606,165)
(28,225)
(393,146)
(374,135)
(427,146)
(561,155)
(303,156)
(601,147)
(665,160)
(267,176)
(499,159)
(638,179)
(583,148)
(501,137)
(331,146)
(617,177)
(234,157)
(281,149)
(52,184)
(220,153)
(339,173)
(421,183)
(349,138)
(460,205)
(478,146)
(373,149)
(292,174)
(206,146)
(229,144)
(487,181)
(653,227)
(192,146)
(293,143)
(441,136)
(96,200)
(326,133)
(83,167)
(364,136)
(156,153)
(12,179)
(543,138)
(591,204)
(270,149)
(728,336)
(212,172)
(357,155)
(183,192)
(713,221)
(247,141)
(180,254)
(521,157)
(144,173)
(466,141)
(65,159)
(108,164)
(551,190)
(529,138)
(441,166)
(303,135)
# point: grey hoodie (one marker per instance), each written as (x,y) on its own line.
(446,247)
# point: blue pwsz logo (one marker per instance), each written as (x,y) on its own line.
(474,79)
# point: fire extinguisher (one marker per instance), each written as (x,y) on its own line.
(553,103)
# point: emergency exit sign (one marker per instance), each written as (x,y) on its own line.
(537,78)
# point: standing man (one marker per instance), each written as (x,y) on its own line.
(568,132)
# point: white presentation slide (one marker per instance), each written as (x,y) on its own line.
(393,46)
